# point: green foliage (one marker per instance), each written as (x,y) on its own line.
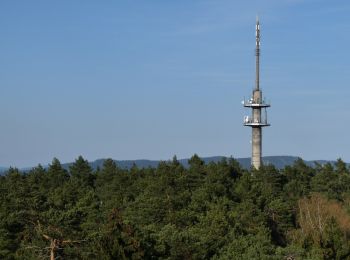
(218,211)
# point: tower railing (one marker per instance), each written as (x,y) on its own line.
(250,121)
(256,103)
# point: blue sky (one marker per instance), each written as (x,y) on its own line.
(153,79)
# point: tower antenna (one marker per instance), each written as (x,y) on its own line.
(257,53)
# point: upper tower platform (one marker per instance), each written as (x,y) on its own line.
(256,103)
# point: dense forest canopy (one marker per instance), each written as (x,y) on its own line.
(216,210)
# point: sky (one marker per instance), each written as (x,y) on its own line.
(157,78)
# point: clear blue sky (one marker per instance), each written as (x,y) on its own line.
(151,79)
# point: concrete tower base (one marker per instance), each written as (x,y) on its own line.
(256,147)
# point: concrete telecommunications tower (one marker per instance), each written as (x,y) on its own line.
(257,120)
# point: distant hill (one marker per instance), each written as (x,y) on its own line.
(3,169)
(278,161)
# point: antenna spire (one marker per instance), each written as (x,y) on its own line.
(257,52)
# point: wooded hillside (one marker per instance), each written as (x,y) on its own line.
(218,211)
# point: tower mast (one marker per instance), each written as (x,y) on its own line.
(257,53)
(257,120)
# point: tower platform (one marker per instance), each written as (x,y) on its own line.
(248,121)
(252,103)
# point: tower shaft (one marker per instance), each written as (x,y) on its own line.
(256,131)
(256,147)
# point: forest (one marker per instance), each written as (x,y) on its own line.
(205,211)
